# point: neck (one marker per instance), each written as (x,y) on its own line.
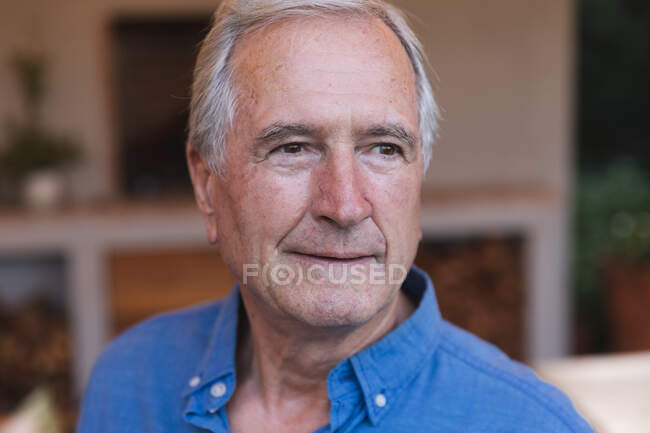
(290,363)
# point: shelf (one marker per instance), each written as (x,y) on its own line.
(86,235)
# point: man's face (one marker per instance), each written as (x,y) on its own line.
(323,169)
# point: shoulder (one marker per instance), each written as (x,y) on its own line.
(179,332)
(509,390)
(152,359)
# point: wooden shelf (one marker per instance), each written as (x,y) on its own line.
(88,234)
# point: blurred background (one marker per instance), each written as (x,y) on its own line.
(536,206)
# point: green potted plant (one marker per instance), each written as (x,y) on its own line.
(612,261)
(33,157)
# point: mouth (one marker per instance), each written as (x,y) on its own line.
(330,258)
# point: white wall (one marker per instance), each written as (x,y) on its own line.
(505,87)
(504,82)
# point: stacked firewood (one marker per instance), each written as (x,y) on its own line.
(34,352)
(479,285)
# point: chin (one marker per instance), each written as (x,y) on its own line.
(335,306)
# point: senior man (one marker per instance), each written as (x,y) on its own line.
(311,126)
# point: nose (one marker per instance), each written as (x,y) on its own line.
(340,191)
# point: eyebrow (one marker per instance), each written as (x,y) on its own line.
(281,131)
(391,130)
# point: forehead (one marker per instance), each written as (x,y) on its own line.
(352,66)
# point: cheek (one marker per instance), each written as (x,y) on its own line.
(271,207)
(397,213)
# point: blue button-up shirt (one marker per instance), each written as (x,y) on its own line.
(176,372)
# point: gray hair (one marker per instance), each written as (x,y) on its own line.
(214,100)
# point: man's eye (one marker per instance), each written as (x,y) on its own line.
(291,148)
(386,149)
(295,155)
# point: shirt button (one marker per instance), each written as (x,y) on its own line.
(218,389)
(194,382)
(380,400)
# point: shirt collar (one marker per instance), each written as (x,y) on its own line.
(387,366)
(383,368)
(217,365)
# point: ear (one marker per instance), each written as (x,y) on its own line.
(201,176)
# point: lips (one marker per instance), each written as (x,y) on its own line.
(335,254)
(328,257)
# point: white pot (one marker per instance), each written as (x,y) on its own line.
(44,190)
